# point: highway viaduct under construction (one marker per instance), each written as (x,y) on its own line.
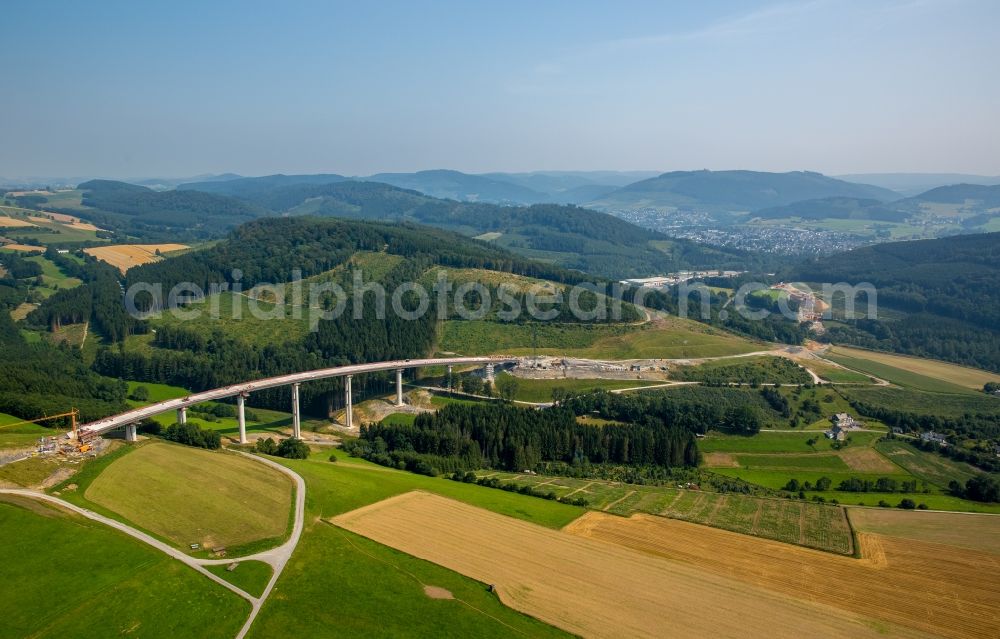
(129,420)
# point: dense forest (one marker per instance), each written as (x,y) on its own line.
(502,436)
(947,287)
(42,379)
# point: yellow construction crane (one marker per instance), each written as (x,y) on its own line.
(73,415)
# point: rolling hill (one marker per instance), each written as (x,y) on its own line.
(568,236)
(454,185)
(945,290)
(734,191)
(134,209)
(838,208)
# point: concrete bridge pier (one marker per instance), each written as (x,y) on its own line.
(182,415)
(348,402)
(449,378)
(399,387)
(130,432)
(241,417)
(296,415)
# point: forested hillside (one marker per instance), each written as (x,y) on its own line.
(572,237)
(268,250)
(41,379)
(947,288)
(135,209)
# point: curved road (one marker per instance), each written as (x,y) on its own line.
(277,557)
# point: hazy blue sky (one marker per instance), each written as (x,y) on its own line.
(131,89)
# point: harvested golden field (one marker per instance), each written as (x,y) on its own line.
(125,256)
(721,460)
(960,375)
(964,530)
(906,585)
(13,222)
(70,220)
(23,248)
(588,587)
(866,460)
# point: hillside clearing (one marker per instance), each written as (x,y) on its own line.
(584,586)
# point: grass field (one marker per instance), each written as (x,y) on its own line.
(777,442)
(906,378)
(52,277)
(125,256)
(250,576)
(668,338)
(77,578)
(577,583)
(24,435)
(913,401)
(188,495)
(835,374)
(949,373)
(898,582)
(930,467)
(791,521)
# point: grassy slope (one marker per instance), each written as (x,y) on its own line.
(668,339)
(903,377)
(329,561)
(66,576)
(188,495)
(540,390)
(24,435)
(930,467)
(949,373)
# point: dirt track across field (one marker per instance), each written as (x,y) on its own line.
(589,587)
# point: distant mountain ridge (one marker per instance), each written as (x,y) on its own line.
(910,184)
(454,185)
(734,191)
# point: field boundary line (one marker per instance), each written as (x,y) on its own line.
(619,500)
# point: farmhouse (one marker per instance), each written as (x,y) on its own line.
(842,422)
(937,438)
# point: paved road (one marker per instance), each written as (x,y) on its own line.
(276,557)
